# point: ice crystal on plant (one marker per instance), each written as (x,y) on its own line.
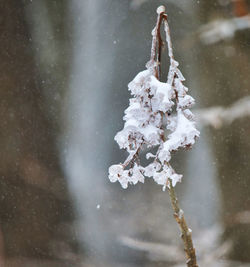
(154,101)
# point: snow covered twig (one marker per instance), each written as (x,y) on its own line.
(212,251)
(154,101)
(186,233)
(218,116)
(223,29)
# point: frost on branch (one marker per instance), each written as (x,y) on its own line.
(152,102)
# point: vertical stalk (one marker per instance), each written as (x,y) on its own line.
(156,55)
(186,233)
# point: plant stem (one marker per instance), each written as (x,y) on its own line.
(185,231)
(156,55)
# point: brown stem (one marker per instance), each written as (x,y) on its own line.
(185,231)
(155,35)
(157,46)
(178,213)
(132,159)
(160,44)
(155,51)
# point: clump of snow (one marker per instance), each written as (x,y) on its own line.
(160,9)
(115,172)
(183,136)
(132,176)
(151,102)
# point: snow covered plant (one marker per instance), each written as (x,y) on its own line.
(154,102)
(158,116)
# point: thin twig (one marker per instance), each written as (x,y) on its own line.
(155,50)
(219,116)
(157,46)
(178,213)
(185,231)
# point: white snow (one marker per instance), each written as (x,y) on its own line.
(160,9)
(183,136)
(152,101)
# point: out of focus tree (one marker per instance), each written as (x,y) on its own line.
(35,208)
(224,79)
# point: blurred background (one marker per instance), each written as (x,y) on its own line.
(64,70)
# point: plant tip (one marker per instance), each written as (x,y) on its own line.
(160,9)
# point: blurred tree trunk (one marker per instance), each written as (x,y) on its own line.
(34,201)
(224,69)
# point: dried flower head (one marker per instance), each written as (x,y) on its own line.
(154,102)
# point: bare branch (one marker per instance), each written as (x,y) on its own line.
(219,116)
(186,233)
(223,29)
(153,100)
(157,251)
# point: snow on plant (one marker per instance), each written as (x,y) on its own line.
(153,102)
(158,116)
